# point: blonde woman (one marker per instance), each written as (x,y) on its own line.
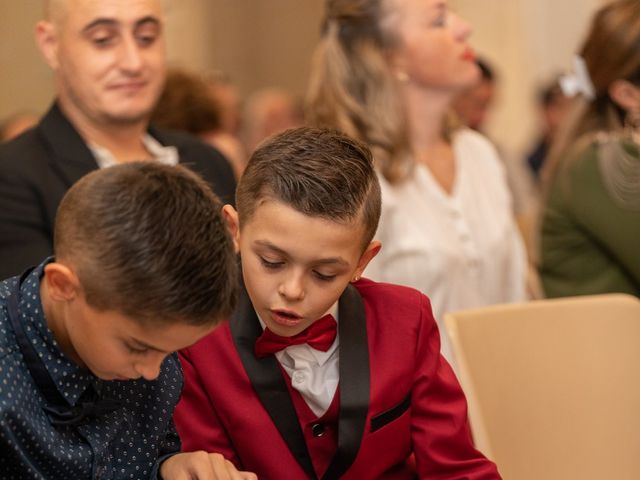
(386,72)
(591,222)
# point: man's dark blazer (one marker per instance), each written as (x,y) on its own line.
(38,167)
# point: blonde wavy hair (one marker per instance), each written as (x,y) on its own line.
(352,87)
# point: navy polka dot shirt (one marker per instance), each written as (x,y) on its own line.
(128,443)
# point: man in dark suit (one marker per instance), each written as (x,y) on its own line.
(109,64)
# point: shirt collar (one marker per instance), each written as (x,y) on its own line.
(167,155)
(70,379)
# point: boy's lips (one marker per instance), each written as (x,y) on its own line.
(286,318)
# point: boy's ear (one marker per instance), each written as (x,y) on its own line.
(47,42)
(233,224)
(625,94)
(62,283)
(370,252)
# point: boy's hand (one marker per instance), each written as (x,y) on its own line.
(201,466)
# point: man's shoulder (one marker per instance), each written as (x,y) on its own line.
(202,158)
(21,152)
(184,142)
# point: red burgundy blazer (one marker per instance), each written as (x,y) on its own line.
(402,413)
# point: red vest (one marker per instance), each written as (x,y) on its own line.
(320,433)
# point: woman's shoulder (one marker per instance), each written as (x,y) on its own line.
(582,157)
(586,147)
(467,142)
(471,138)
(476,153)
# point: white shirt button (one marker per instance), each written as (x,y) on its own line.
(299,377)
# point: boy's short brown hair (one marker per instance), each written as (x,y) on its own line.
(149,241)
(319,172)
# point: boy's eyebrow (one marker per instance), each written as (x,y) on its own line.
(110,22)
(332,260)
(140,343)
(322,261)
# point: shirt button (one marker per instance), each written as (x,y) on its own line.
(317,429)
(298,377)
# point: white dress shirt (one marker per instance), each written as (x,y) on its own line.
(463,249)
(167,155)
(313,373)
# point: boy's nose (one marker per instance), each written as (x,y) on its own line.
(292,288)
(149,370)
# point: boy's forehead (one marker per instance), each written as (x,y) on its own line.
(264,207)
(277,225)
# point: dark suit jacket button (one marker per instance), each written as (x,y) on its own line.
(317,429)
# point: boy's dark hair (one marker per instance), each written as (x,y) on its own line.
(149,241)
(319,172)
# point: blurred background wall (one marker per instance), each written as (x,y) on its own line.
(268,43)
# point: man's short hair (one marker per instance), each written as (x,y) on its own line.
(318,172)
(149,241)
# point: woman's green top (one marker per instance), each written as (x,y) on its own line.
(590,237)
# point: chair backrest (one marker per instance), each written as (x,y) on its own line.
(554,386)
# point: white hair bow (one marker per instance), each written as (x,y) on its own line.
(579,81)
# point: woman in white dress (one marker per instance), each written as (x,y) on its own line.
(386,72)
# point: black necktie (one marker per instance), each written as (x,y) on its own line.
(89,405)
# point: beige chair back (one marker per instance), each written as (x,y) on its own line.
(554,386)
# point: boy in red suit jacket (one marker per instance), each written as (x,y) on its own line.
(326,375)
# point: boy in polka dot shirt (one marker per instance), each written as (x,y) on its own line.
(143,266)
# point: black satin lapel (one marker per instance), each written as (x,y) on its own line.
(70,157)
(354,381)
(268,382)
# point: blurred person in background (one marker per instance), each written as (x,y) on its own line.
(267,112)
(553,105)
(108,60)
(228,99)
(591,218)
(188,104)
(474,104)
(386,72)
(473,107)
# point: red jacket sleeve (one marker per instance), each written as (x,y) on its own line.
(440,431)
(196,419)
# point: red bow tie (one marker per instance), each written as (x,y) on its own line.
(319,335)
